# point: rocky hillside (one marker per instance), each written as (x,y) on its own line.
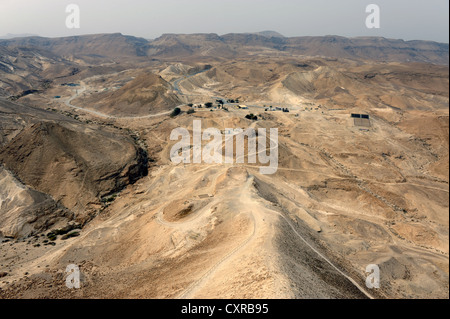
(63,161)
(146,94)
(233,45)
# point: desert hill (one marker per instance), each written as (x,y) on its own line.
(336,84)
(65,159)
(373,48)
(348,191)
(234,45)
(31,64)
(24,69)
(105,45)
(355,196)
(25,211)
(146,94)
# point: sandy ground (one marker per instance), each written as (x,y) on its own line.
(343,197)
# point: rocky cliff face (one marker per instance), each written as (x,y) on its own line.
(75,165)
(57,169)
(25,211)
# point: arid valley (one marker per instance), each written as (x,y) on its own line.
(86,176)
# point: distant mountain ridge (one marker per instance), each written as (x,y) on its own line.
(270,34)
(12,36)
(114,44)
(237,44)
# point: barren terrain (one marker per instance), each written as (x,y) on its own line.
(86,176)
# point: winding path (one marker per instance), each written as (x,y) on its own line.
(196,285)
(68,103)
(189,292)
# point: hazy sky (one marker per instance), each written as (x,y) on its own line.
(400,19)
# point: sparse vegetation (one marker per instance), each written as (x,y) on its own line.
(176,111)
(53,235)
(46,84)
(70,235)
(109,199)
(252,117)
